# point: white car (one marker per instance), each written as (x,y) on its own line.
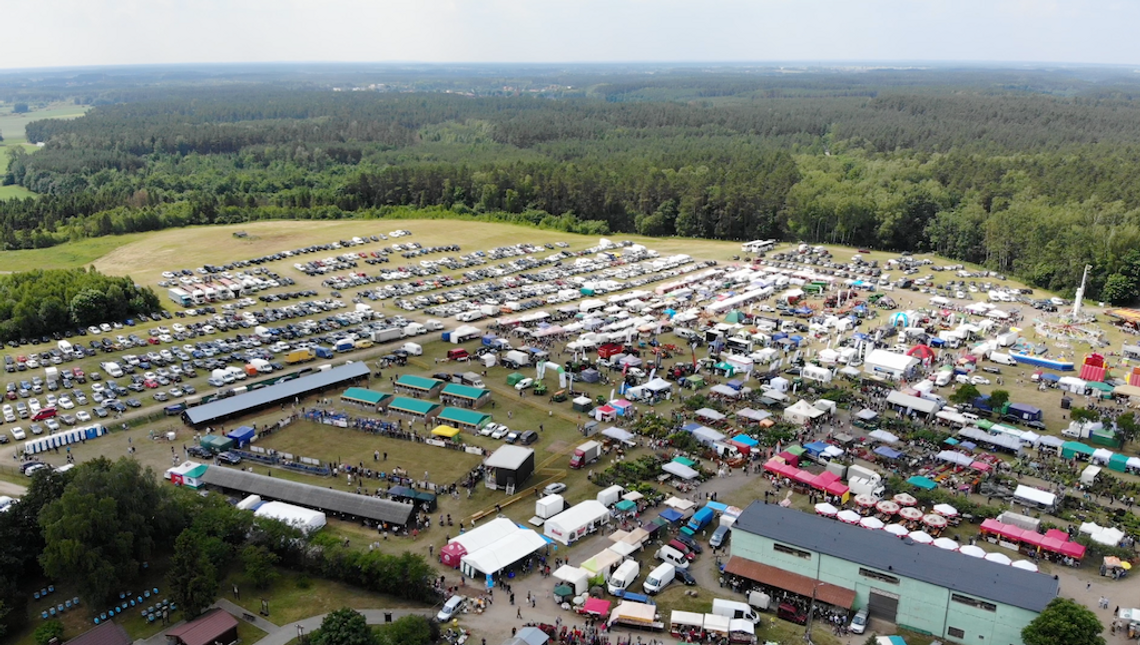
(34,405)
(83,416)
(66,403)
(450,608)
(500,432)
(524,384)
(18,434)
(485,431)
(979,380)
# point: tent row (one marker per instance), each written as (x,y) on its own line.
(827,481)
(1054,541)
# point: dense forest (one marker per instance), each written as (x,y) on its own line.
(1025,172)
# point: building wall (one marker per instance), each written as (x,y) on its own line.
(922,606)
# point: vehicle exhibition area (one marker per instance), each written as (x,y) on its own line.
(762,440)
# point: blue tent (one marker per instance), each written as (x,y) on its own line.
(746,440)
(241,436)
(1053,378)
(689,427)
(889,453)
(672,516)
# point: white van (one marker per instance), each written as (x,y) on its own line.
(1004,359)
(943,377)
(623,578)
(672,556)
(658,578)
(734,609)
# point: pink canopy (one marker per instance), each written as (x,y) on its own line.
(838,488)
(981,466)
(825,479)
(803,477)
(1032,538)
(597,606)
(451,554)
(789,458)
(1058,534)
(1073,550)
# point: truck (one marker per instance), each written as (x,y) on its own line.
(323,352)
(864,481)
(471,315)
(413,349)
(51,374)
(471,379)
(385,335)
(515,359)
(734,609)
(700,520)
(549,506)
(302,355)
(586,453)
(414,329)
(624,577)
(344,345)
(1002,359)
(180,297)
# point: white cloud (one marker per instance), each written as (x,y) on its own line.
(95,32)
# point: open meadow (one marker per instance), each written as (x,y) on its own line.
(12,127)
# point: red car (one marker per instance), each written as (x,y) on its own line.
(150,383)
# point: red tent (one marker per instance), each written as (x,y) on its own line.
(922,353)
(790,458)
(981,466)
(1052,544)
(803,477)
(1033,538)
(451,554)
(838,488)
(1057,534)
(1073,550)
(597,606)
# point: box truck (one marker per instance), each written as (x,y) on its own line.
(413,349)
(586,453)
(549,506)
(515,359)
(385,335)
(301,356)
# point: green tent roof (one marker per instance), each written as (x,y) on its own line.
(196,472)
(685,461)
(415,406)
(984,424)
(364,395)
(795,450)
(1103,387)
(417,382)
(463,391)
(469,417)
(1076,446)
(922,482)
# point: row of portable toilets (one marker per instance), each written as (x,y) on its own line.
(63,438)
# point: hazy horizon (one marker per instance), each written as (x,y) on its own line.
(99,33)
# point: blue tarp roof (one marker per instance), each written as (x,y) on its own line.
(689,427)
(671,515)
(889,453)
(1050,377)
(746,440)
(242,434)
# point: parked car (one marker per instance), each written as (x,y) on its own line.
(229,458)
(554,489)
(858,622)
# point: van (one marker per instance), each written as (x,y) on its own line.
(719,536)
(858,622)
(658,578)
(44,413)
(734,609)
(683,548)
(1004,359)
(457,354)
(943,378)
(623,578)
(672,556)
(450,608)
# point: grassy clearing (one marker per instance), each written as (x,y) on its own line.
(295,596)
(12,125)
(65,256)
(15,192)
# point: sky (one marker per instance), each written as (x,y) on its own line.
(67,33)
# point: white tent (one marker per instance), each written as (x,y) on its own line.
(576,577)
(485,534)
(882,362)
(502,554)
(304,519)
(801,412)
(1034,496)
(680,470)
(578,520)
(883,435)
(912,403)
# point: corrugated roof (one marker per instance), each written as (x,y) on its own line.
(107,633)
(509,457)
(364,395)
(469,417)
(273,394)
(314,497)
(793,582)
(885,552)
(417,382)
(463,391)
(206,629)
(415,406)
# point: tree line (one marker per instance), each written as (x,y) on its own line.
(102,525)
(36,303)
(1029,179)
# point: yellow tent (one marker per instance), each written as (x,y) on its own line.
(445,431)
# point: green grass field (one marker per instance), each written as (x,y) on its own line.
(12,125)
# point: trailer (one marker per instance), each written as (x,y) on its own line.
(180,297)
(636,614)
(386,335)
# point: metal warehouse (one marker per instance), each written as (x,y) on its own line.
(916,586)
